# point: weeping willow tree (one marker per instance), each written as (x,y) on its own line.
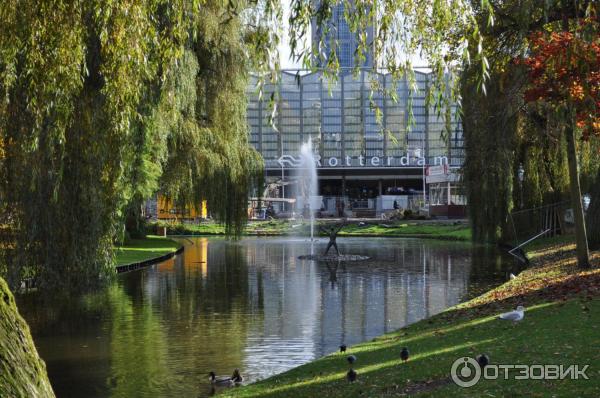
(69,96)
(502,132)
(489,128)
(209,156)
(93,121)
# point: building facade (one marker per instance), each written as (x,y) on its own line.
(337,32)
(369,147)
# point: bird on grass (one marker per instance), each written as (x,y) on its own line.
(512,276)
(483,360)
(343,348)
(404,354)
(351,376)
(515,316)
(351,359)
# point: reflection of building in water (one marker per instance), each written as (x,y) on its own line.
(249,304)
(415,284)
(285,290)
(281,311)
(195,256)
(307,315)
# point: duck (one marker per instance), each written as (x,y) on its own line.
(221,381)
(404,354)
(351,376)
(351,359)
(343,348)
(237,377)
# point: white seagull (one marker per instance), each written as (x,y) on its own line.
(515,316)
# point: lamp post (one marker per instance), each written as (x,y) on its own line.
(423,177)
(521,176)
(419,153)
(282,189)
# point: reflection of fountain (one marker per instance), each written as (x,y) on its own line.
(307,190)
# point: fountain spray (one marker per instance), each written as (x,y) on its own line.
(307,181)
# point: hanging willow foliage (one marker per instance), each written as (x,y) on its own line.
(490,125)
(209,154)
(68,96)
(501,132)
(439,32)
(81,83)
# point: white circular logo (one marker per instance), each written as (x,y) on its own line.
(465,372)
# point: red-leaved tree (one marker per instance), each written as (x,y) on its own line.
(564,72)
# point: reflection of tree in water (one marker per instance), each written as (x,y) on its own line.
(228,277)
(116,333)
(139,349)
(489,267)
(83,317)
(207,311)
(185,317)
(163,329)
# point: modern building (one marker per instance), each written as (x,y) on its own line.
(162,208)
(337,32)
(372,149)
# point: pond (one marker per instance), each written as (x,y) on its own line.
(250,304)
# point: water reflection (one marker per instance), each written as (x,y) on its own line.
(250,304)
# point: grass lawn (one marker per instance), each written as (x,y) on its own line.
(137,250)
(561,326)
(444,230)
(410,229)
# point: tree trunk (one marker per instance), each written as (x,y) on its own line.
(593,216)
(22,372)
(580,233)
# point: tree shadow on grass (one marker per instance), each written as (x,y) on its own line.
(434,346)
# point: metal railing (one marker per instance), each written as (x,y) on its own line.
(534,223)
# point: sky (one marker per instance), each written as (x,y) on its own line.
(284,48)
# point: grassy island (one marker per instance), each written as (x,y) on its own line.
(138,250)
(448,230)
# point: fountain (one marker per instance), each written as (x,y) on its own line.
(307,185)
(307,200)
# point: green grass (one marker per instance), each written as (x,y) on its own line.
(561,326)
(137,250)
(540,246)
(442,230)
(410,229)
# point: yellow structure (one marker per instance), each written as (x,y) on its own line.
(166,210)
